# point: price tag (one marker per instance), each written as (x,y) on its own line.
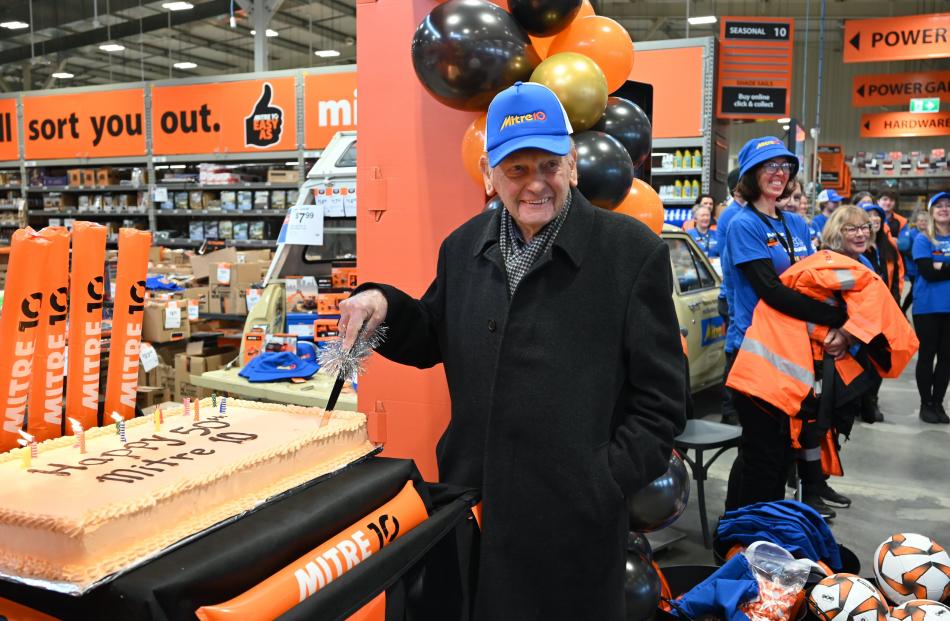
(172,316)
(148,358)
(349,202)
(160,195)
(193,308)
(224,273)
(334,208)
(304,225)
(252,297)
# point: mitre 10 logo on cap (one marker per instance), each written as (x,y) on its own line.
(767,143)
(262,128)
(516,119)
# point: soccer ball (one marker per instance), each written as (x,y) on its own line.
(847,597)
(910,566)
(920,610)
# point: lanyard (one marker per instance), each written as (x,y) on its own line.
(703,240)
(786,241)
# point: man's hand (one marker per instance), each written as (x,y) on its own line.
(367,307)
(836,343)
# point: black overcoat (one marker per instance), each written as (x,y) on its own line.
(565,398)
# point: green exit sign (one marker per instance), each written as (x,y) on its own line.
(929,104)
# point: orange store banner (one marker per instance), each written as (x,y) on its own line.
(9,137)
(245,116)
(329,106)
(755,67)
(897,38)
(895,89)
(905,124)
(91,124)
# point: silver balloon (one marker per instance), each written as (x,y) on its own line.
(641,588)
(661,502)
(639,545)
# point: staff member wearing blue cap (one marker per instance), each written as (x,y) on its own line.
(828,201)
(931,253)
(555,323)
(761,243)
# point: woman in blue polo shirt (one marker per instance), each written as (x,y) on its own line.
(704,233)
(931,254)
(761,243)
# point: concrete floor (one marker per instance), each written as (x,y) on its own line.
(897,474)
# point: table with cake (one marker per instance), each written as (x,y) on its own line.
(202,499)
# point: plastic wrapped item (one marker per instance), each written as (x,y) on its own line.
(781,579)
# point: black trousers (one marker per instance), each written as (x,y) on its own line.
(933,330)
(759,472)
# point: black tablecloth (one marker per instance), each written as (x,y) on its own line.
(227,561)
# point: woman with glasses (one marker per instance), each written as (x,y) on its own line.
(761,243)
(883,253)
(931,253)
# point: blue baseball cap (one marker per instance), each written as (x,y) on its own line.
(869,207)
(828,196)
(936,197)
(526,115)
(271,366)
(762,149)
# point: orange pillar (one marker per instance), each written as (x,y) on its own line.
(413,193)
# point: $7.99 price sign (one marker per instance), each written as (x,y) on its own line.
(304,225)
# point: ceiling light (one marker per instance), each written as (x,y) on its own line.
(327,53)
(178,6)
(14,25)
(63,75)
(784,120)
(185,65)
(111,47)
(702,19)
(267,33)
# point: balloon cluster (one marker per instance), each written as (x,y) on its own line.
(467,51)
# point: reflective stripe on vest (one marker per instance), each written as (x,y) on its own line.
(783,365)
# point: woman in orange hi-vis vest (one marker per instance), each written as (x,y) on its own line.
(761,243)
(783,360)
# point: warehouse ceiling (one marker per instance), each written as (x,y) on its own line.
(66,34)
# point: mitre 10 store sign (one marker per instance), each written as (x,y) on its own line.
(755,67)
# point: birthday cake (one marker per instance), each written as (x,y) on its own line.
(75,517)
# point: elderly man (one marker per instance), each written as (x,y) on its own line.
(555,324)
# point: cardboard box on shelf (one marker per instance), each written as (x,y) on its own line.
(283,175)
(261,199)
(106,176)
(201,294)
(245,200)
(344,277)
(228,200)
(202,264)
(195,361)
(255,230)
(301,294)
(278,199)
(88,177)
(181,200)
(75,177)
(225,229)
(249,256)
(165,321)
(240,231)
(329,303)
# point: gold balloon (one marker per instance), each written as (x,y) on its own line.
(580,85)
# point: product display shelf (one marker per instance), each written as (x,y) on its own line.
(230,213)
(236,243)
(677,171)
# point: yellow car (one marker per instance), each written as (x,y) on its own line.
(695,291)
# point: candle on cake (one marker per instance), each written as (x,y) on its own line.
(25,440)
(197,409)
(214,399)
(224,406)
(80,434)
(157,419)
(185,402)
(120,427)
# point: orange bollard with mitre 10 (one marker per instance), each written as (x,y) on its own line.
(86,299)
(49,358)
(325,563)
(19,323)
(123,377)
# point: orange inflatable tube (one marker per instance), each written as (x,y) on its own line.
(123,377)
(49,360)
(19,323)
(12,610)
(86,298)
(325,563)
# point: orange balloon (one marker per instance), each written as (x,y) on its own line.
(602,40)
(473,147)
(643,203)
(543,44)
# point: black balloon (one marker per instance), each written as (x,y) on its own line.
(661,502)
(493,203)
(604,169)
(466,51)
(544,18)
(628,123)
(639,545)
(641,588)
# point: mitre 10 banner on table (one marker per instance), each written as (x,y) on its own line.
(33,329)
